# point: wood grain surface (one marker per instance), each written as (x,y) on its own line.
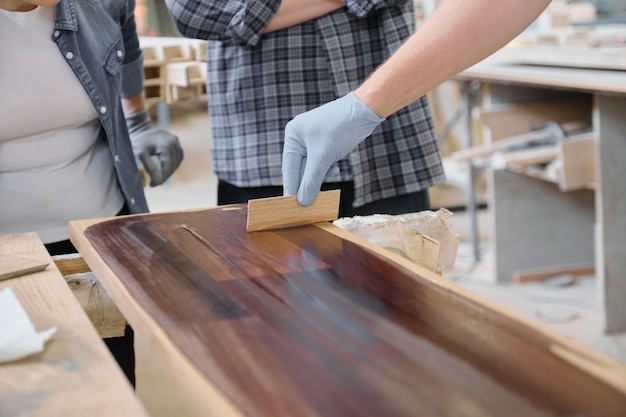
(285,211)
(75,375)
(13,266)
(310,322)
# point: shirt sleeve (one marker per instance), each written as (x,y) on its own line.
(239,21)
(132,66)
(362,8)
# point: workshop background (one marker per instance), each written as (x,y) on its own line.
(566,298)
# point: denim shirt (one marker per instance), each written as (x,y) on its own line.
(98,39)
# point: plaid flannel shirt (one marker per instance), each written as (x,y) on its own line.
(257,82)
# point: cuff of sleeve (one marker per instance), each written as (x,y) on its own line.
(255,20)
(132,77)
(363,109)
(362,8)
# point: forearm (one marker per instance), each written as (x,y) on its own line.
(239,22)
(133,104)
(458,35)
(293,12)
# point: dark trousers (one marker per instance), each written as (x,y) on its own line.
(121,347)
(408,203)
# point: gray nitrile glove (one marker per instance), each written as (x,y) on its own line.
(317,139)
(158,150)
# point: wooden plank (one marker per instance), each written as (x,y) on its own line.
(75,375)
(517,140)
(497,70)
(92,297)
(518,160)
(316,321)
(579,159)
(71,264)
(281,212)
(15,266)
(586,57)
(539,274)
(506,120)
(102,312)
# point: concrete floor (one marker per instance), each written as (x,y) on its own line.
(571,310)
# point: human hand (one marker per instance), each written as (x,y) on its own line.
(158,150)
(317,139)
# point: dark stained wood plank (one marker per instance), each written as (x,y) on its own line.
(302,322)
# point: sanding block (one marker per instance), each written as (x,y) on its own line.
(281,212)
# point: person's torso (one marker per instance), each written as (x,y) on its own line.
(55,164)
(255,90)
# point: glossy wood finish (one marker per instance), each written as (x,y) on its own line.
(307,322)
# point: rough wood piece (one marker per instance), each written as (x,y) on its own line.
(539,274)
(75,375)
(186,80)
(102,312)
(282,212)
(579,163)
(510,119)
(517,161)
(176,53)
(100,309)
(15,266)
(184,74)
(316,321)
(521,139)
(71,264)
(426,238)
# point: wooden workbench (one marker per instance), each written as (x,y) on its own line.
(313,321)
(535,225)
(75,375)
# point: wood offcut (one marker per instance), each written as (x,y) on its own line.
(14,266)
(282,212)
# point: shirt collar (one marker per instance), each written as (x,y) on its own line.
(66,16)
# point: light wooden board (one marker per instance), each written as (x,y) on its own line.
(282,212)
(498,70)
(15,266)
(316,321)
(580,163)
(539,274)
(71,264)
(75,376)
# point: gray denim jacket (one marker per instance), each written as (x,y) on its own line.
(98,39)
